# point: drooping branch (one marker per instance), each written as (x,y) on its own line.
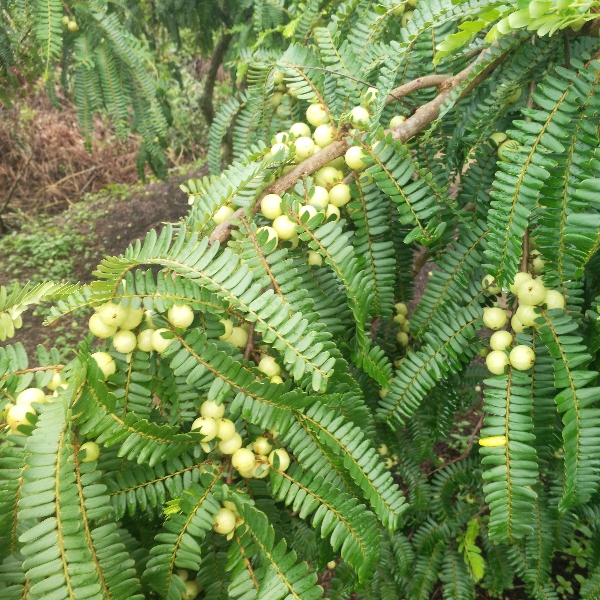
(206,101)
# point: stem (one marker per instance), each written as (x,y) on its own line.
(206,102)
(249,343)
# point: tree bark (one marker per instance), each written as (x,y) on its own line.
(206,102)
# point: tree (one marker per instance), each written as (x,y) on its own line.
(258,405)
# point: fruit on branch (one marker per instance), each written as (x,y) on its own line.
(400,319)
(516,325)
(402,338)
(493,441)
(180,316)
(522,357)
(318,197)
(506,148)
(192,589)
(271,233)
(212,409)
(30,395)
(314,259)
(494,317)
(331,565)
(398,11)
(515,96)
(160,343)
(105,362)
(225,429)
(91,452)
(228,325)
(397,120)
(144,340)
(222,214)
(526,315)
(113,315)
(17,415)
(238,337)
(324,135)
(99,328)
(231,445)
(270,206)
(183,574)
(54,382)
(496,362)
(207,426)
(124,341)
(483,352)
(406,18)
(332,211)
(317,115)
(498,138)
(262,446)
(279,459)
(224,521)
(275,99)
(531,292)
(327,177)
(360,116)
(488,282)
(277,77)
(268,366)
(275,148)
(284,227)
(339,195)
(538,264)
(354,158)
(72,26)
(65,20)
(401,308)
(311,211)
(243,459)
(283,137)
(554,299)
(133,319)
(365,179)
(299,130)
(276,379)
(520,278)
(501,340)
(305,147)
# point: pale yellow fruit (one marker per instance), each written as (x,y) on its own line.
(275,99)
(314,259)
(402,338)
(238,337)
(183,574)
(532,292)
(527,315)
(224,521)
(299,130)
(270,206)
(354,158)
(500,340)
(400,319)
(192,589)
(284,227)
(261,468)
(207,426)
(124,341)
(554,299)
(226,429)
(494,318)
(522,358)
(262,445)
(159,343)
(488,282)
(305,147)
(516,325)
(317,115)
(231,445)
(133,319)
(365,179)
(496,362)
(276,379)
(99,328)
(91,451)
(398,119)
(105,362)
(331,565)
(281,138)
(327,177)
(277,77)
(337,163)
(360,116)
(17,415)
(228,325)
(30,395)
(323,135)
(311,211)
(54,382)
(112,314)
(284,459)
(401,308)
(144,340)
(520,278)
(212,409)
(272,234)
(318,197)
(275,148)
(538,264)
(222,214)
(243,459)
(232,507)
(268,366)
(339,195)
(180,315)
(332,211)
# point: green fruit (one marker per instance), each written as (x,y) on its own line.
(124,341)
(91,452)
(506,149)
(515,96)
(497,138)
(105,362)
(30,395)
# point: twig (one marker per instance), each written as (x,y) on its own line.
(455,460)
(229,474)
(415,85)
(567,50)
(249,343)
(420,262)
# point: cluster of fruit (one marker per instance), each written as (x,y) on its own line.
(531,294)
(406,15)
(255,460)
(70,24)
(402,337)
(192,586)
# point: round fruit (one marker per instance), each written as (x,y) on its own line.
(538,264)
(124,341)
(406,18)
(496,362)
(228,325)
(133,319)
(91,451)
(399,10)
(283,457)
(314,259)
(402,338)
(275,148)
(365,179)
(332,211)
(192,589)
(323,135)
(105,363)
(406,326)
(159,342)
(299,130)
(231,445)
(318,197)
(30,395)
(56,381)
(354,158)
(488,282)
(207,426)
(515,96)
(224,521)
(276,379)
(332,564)
(305,147)
(371,94)
(277,77)
(183,574)
(180,315)
(483,352)
(272,234)
(317,115)
(222,214)
(401,308)
(531,292)
(99,328)
(522,358)
(516,325)
(397,120)
(270,206)
(310,210)
(65,20)
(497,138)
(520,278)
(281,138)
(113,315)
(261,469)
(554,299)
(400,319)
(501,340)
(360,116)
(238,337)
(494,318)
(275,99)
(226,429)
(262,446)
(526,315)
(339,195)
(327,177)
(212,409)
(144,340)
(243,459)
(268,366)
(17,415)
(72,26)
(506,148)
(284,227)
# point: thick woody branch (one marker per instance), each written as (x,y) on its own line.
(423,116)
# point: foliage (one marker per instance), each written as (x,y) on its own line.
(297,329)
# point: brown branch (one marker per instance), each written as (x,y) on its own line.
(206,101)
(249,343)
(415,85)
(420,262)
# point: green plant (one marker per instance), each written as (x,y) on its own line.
(280,427)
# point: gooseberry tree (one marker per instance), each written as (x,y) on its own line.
(257,413)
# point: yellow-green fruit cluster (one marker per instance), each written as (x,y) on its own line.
(402,337)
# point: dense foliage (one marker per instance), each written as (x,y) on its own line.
(256,413)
